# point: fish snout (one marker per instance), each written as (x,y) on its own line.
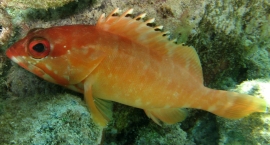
(9,52)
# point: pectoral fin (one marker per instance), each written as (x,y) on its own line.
(101,110)
(167,116)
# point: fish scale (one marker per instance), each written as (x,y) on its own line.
(124,60)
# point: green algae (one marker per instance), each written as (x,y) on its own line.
(5,26)
(59,119)
(131,126)
(39,4)
(231,43)
(172,134)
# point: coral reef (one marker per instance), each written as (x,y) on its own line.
(201,127)
(37,119)
(231,38)
(172,134)
(235,33)
(3,73)
(38,4)
(5,26)
(131,126)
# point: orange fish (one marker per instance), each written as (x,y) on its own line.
(124,60)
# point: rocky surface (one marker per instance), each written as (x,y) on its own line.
(231,38)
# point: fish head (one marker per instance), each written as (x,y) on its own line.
(54,55)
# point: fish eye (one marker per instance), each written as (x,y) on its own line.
(39,48)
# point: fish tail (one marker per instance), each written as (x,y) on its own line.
(232,105)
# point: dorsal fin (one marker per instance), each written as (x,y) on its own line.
(152,37)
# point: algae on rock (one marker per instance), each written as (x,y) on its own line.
(59,119)
(38,4)
(232,42)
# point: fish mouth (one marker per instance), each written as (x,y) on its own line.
(21,61)
(13,55)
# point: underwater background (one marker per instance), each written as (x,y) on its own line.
(232,38)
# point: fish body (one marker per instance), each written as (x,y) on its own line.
(121,59)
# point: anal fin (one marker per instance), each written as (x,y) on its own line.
(166,116)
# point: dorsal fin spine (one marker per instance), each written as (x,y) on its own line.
(152,20)
(112,13)
(130,11)
(158,27)
(141,16)
(101,19)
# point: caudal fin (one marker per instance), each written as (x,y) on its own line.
(232,105)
